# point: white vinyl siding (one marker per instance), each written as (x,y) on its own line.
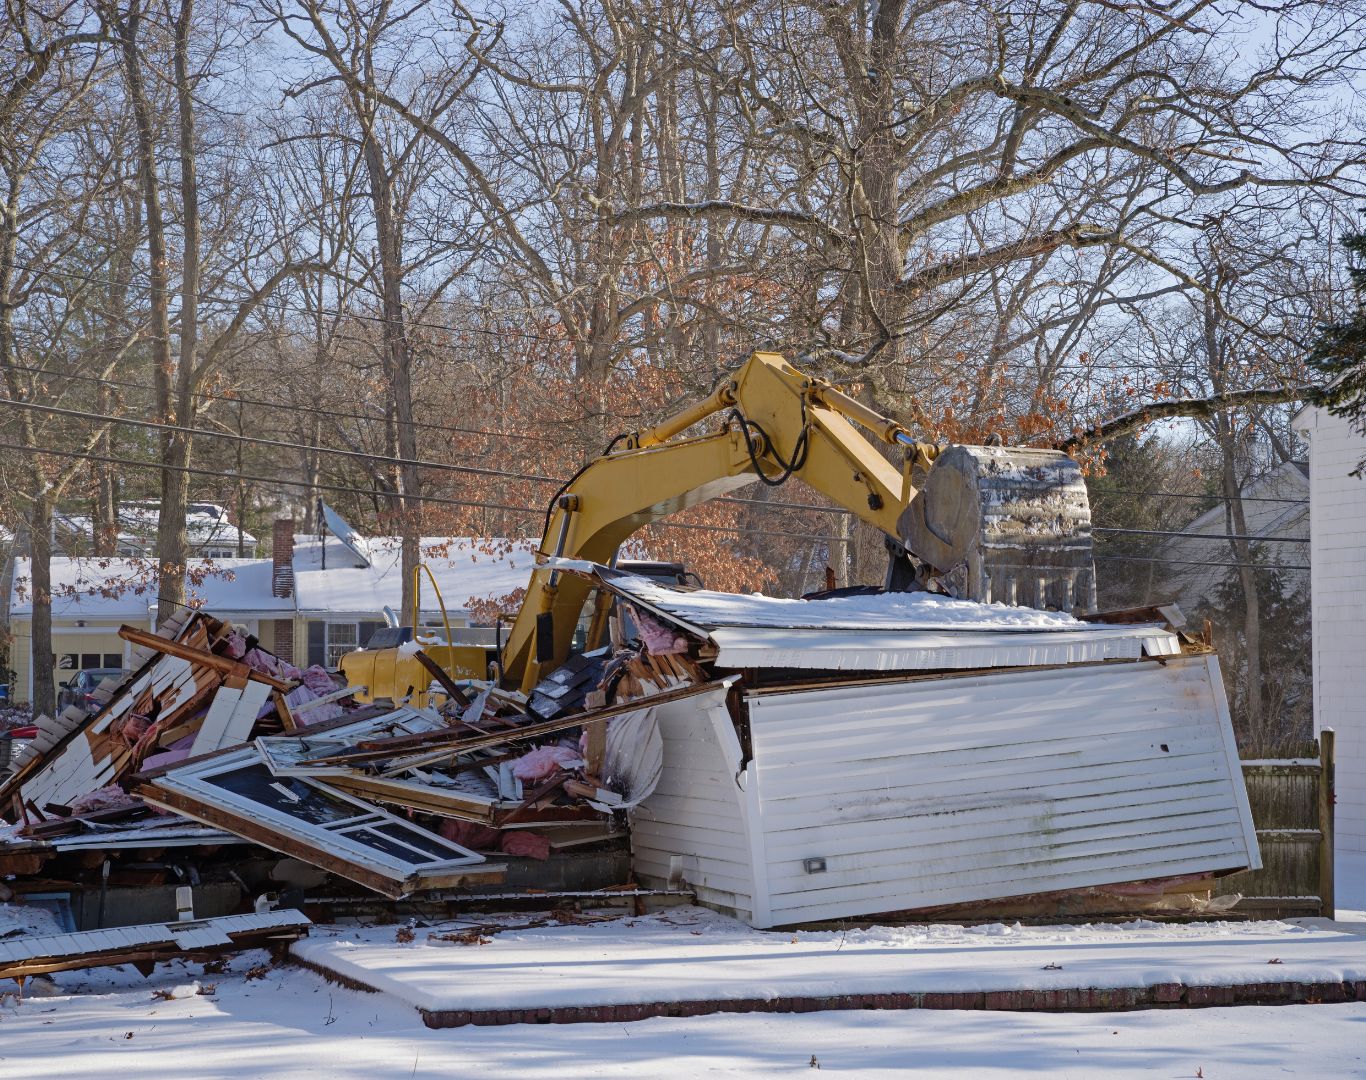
(923,792)
(969,788)
(696,812)
(1338,578)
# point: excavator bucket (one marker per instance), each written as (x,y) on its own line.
(1006,525)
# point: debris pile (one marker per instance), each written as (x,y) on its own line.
(213,741)
(785,760)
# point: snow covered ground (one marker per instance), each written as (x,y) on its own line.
(289,1023)
(692,954)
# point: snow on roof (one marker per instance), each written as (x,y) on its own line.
(884,631)
(125,588)
(883,611)
(206,525)
(467,570)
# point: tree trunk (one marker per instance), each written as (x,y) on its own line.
(1236,522)
(170,543)
(105,520)
(397,362)
(173,541)
(44,690)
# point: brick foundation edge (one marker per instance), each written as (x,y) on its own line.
(1121,999)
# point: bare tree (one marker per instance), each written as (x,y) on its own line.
(52,61)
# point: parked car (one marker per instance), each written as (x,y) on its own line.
(80,688)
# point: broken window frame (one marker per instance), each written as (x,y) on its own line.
(337,845)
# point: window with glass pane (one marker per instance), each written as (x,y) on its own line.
(342,638)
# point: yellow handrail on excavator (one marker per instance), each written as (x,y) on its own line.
(416,622)
(988,523)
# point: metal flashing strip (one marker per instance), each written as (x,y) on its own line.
(913,650)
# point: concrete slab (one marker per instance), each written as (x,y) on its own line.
(689,961)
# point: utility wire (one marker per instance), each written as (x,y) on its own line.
(268,480)
(312,409)
(507,474)
(1205,536)
(1099,492)
(516,435)
(81,414)
(1195,562)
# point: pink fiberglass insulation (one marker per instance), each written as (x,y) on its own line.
(544,762)
(509,841)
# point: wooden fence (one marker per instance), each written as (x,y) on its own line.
(1292,809)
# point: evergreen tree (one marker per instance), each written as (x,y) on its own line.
(1339,355)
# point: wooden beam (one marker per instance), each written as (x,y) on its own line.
(440,674)
(222,664)
(549,727)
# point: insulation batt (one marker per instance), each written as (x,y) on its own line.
(235,645)
(544,762)
(264,662)
(482,838)
(659,639)
(109,797)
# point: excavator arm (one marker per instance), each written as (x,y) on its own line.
(782,423)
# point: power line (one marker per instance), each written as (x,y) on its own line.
(267,480)
(280,444)
(240,399)
(538,478)
(1186,495)
(111,460)
(454,429)
(1205,536)
(356,454)
(1196,562)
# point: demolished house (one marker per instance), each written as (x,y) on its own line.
(899,752)
(787,761)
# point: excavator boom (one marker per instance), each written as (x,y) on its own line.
(987,523)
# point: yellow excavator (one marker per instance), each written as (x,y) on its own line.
(986,523)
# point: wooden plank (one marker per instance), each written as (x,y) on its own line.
(1327,800)
(437,672)
(530,731)
(212,730)
(198,656)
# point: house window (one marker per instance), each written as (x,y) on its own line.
(342,638)
(328,642)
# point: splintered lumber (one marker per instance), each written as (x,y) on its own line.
(225,665)
(550,727)
(326,699)
(440,674)
(595,749)
(41,954)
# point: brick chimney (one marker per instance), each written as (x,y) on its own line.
(282,555)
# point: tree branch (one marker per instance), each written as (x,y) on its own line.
(1139,418)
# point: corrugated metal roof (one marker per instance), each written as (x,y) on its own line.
(927,650)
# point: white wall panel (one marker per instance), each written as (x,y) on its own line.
(697,810)
(1337,558)
(967,788)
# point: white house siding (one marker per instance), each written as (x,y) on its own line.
(697,810)
(1338,581)
(967,788)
